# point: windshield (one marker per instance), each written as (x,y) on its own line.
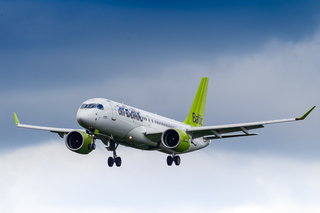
(91,106)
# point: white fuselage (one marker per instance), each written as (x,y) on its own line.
(128,125)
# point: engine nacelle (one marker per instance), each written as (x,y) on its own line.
(176,140)
(78,142)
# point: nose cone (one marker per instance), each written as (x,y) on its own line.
(84,119)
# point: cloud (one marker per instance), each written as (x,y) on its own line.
(132,57)
(52,178)
(278,81)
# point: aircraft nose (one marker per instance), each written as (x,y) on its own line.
(83,119)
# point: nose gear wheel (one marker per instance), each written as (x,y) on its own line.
(169,160)
(173,158)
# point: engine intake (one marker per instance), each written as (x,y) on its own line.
(176,140)
(78,142)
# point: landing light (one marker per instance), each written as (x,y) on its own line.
(130,137)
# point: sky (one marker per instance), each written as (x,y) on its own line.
(262,61)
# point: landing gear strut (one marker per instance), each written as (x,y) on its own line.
(174,158)
(92,145)
(115,158)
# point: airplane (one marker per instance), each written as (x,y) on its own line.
(118,124)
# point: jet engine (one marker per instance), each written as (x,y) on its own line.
(78,142)
(176,140)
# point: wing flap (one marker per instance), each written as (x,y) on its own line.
(225,129)
(229,136)
(217,131)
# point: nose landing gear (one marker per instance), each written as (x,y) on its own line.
(91,133)
(112,147)
(174,158)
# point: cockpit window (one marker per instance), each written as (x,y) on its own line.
(91,106)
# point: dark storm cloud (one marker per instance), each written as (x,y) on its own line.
(40,38)
(54,55)
(53,23)
(262,61)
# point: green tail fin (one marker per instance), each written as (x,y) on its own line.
(196,114)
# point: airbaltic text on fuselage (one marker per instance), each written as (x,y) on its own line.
(197,119)
(130,113)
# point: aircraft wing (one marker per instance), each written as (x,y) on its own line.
(222,131)
(60,131)
(216,132)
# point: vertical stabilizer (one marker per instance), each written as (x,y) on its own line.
(196,114)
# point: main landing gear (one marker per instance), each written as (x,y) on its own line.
(115,159)
(174,158)
(112,160)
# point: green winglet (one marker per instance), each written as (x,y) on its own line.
(16,118)
(305,115)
